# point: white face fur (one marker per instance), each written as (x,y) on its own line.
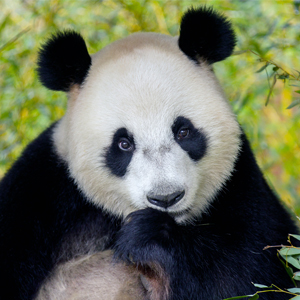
(142,85)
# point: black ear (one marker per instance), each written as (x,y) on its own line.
(206,34)
(63,61)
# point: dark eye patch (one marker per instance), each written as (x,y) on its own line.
(194,143)
(116,159)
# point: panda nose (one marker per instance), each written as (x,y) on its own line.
(166,201)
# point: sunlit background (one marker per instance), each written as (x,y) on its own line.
(264,70)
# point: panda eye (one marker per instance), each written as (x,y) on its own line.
(125,145)
(183,133)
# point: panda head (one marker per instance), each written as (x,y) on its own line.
(147,123)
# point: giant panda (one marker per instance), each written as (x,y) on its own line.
(150,164)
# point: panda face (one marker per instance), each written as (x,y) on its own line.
(155,163)
(148,128)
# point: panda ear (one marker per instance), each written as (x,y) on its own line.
(63,61)
(206,34)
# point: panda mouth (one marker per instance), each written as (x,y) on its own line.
(176,214)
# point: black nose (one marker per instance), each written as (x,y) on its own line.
(165,201)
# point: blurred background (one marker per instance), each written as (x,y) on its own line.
(261,80)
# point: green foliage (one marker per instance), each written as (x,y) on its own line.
(291,256)
(264,70)
(294,292)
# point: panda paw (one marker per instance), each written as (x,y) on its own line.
(147,236)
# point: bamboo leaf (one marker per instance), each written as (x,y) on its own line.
(293,104)
(16,37)
(296,276)
(289,251)
(271,89)
(289,270)
(261,286)
(5,22)
(241,297)
(283,76)
(294,290)
(296,236)
(292,261)
(239,52)
(262,68)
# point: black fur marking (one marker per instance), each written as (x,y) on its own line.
(215,258)
(206,34)
(63,61)
(116,159)
(221,253)
(195,144)
(40,210)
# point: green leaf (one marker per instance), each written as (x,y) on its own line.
(296,276)
(296,236)
(292,261)
(289,251)
(254,297)
(241,297)
(262,68)
(239,52)
(294,103)
(297,91)
(261,286)
(5,22)
(289,270)
(271,89)
(275,69)
(283,76)
(296,298)
(294,290)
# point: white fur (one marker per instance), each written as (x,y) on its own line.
(143,83)
(93,277)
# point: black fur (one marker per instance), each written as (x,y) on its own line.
(40,210)
(195,144)
(206,34)
(63,61)
(116,159)
(221,254)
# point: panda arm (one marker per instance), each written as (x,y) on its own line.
(220,254)
(152,238)
(44,219)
